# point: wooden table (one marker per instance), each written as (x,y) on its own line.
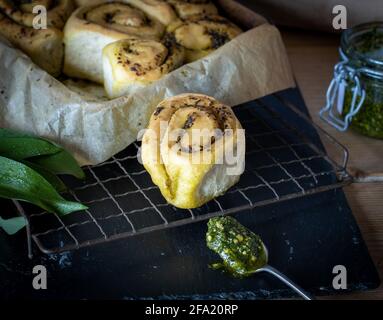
(313,56)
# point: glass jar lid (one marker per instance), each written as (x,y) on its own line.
(362,46)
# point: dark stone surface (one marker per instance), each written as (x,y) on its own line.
(306,238)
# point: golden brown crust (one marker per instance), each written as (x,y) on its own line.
(82,3)
(135,61)
(194,111)
(58,11)
(43,46)
(200,35)
(165,11)
(186,8)
(77,23)
(141,58)
(123,18)
(157,9)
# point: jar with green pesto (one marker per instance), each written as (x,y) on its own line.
(355,95)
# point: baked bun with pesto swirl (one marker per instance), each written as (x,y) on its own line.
(91,28)
(132,62)
(187,8)
(201,35)
(186,146)
(43,46)
(165,11)
(21,12)
(156,9)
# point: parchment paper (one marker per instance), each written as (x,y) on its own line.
(252,65)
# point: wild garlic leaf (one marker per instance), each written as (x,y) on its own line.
(18,181)
(18,146)
(55,181)
(60,163)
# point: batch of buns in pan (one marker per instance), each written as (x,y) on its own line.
(115,43)
(135,42)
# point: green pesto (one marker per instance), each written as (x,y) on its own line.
(369,42)
(369,119)
(241,250)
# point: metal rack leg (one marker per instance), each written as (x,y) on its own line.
(28,228)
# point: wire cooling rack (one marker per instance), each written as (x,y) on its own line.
(285,159)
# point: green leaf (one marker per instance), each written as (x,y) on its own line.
(60,163)
(8,133)
(13,225)
(20,146)
(18,181)
(55,181)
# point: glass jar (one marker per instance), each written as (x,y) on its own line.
(355,95)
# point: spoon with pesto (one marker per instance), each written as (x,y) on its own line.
(242,251)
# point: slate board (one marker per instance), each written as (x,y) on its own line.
(306,238)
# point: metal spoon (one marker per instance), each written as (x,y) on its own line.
(269,269)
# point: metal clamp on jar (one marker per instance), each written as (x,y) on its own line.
(355,95)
